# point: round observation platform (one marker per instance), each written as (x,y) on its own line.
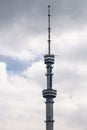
(49,59)
(49,93)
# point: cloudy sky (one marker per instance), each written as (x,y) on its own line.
(23,42)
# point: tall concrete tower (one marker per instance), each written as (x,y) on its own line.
(49,93)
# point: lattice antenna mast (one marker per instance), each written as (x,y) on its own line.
(49,30)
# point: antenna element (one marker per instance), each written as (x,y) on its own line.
(49,41)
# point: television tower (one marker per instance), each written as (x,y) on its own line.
(49,93)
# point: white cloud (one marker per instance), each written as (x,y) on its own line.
(20,102)
(36,73)
(16,43)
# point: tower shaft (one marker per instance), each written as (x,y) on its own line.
(49,93)
(49,114)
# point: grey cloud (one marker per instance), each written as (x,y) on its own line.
(64,13)
(12,12)
(79,117)
(73,11)
(77,53)
(72,111)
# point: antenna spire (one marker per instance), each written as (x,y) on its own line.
(49,29)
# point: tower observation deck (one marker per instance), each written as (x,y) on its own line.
(49,93)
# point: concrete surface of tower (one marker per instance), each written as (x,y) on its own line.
(49,93)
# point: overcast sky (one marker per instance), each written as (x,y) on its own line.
(23,42)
